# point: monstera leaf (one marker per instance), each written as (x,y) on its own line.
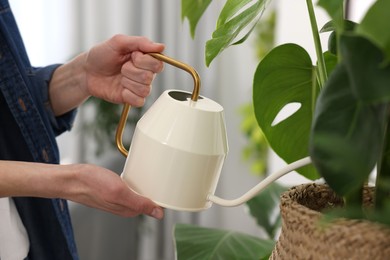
(193,11)
(233,19)
(198,243)
(285,76)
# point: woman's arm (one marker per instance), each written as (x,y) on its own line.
(117,70)
(90,185)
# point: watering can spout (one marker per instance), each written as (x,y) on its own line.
(262,185)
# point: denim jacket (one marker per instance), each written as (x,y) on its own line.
(25,92)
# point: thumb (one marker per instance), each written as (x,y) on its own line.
(146,206)
(152,209)
(157,213)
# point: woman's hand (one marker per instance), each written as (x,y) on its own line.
(118,70)
(87,184)
(103,189)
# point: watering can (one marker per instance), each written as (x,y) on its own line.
(178,149)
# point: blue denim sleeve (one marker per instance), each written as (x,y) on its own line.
(41,77)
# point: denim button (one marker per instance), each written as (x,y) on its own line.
(22,104)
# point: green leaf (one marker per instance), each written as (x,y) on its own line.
(193,11)
(283,77)
(332,41)
(198,243)
(330,61)
(335,9)
(233,19)
(370,78)
(230,9)
(263,207)
(329,26)
(246,36)
(376,26)
(347,133)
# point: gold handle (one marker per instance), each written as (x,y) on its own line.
(126,108)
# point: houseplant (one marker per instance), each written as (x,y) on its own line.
(343,99)
(345,126)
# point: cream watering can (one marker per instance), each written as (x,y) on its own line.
(178,150)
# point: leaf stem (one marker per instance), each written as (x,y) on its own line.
(322,75)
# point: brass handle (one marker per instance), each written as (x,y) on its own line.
(126,108)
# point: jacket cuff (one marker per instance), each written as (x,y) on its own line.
(61,123)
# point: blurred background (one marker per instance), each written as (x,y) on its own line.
(56,30)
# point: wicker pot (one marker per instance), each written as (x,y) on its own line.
(303,237)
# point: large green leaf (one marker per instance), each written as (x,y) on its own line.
(264,206)
(376,26)
(349,121)
(199,243)
(286,76)
(234,17)
(193,11)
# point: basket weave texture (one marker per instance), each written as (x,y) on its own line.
(303,236)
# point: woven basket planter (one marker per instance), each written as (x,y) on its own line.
(304,237)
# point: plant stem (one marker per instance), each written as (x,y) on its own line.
(314,93)
(354,200)
(382,186)
(322,75)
